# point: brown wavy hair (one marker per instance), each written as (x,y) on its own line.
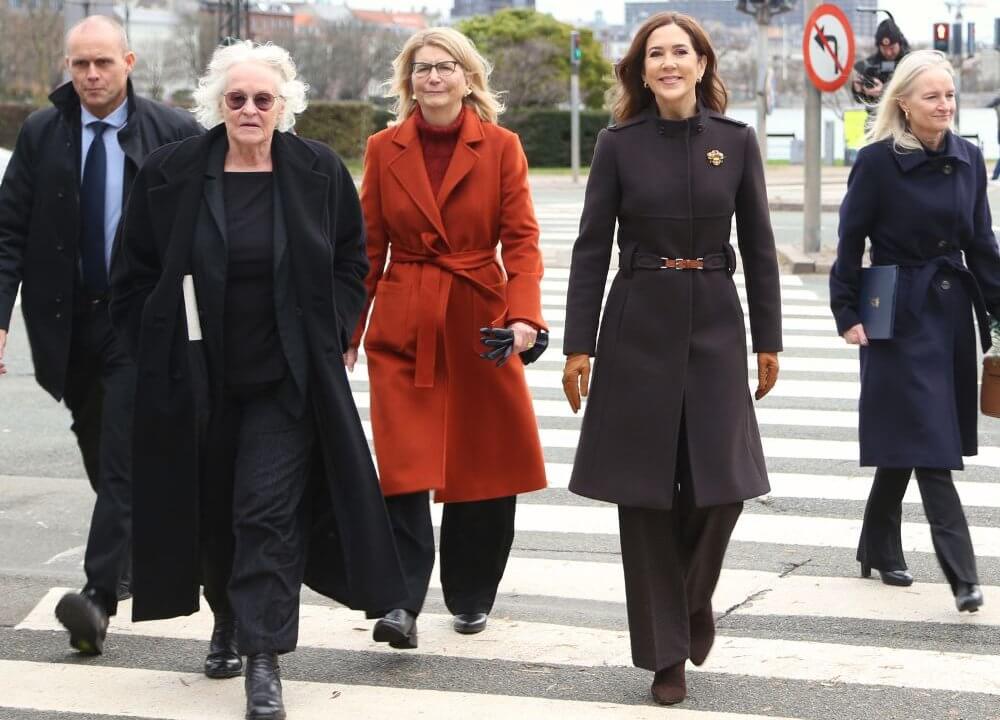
(630,97)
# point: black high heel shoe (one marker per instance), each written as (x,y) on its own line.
(899,578)
(968,598)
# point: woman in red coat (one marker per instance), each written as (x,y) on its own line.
(442,188)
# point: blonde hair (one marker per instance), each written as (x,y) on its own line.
(890,121)
(477,70)
(208,95)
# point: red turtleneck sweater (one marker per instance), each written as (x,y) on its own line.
(438,143)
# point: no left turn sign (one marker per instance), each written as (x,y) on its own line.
(828,48)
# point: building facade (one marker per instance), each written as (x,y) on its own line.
(465,8)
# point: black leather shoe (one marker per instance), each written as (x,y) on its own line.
(899,578)
(398,628)
(83,614)
(968,598)
(223,660)
(124,590)
(469,623)
(263,686)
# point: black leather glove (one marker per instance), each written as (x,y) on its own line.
(499,343)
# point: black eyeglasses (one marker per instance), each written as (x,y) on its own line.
(445,68)
(236,99)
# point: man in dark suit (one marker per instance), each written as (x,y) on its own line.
(60,202)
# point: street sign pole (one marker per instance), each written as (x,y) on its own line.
(828,56)
(574,105)
(813,181)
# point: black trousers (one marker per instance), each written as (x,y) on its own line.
(476,538)
(100,394)
(880,545)
(672,560)
(254,535)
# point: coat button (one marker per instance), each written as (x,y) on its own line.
(298,311)
(946,284)
(58,299)
(947,169)
(58,315)
(60,195)
(942,244)
(59,248)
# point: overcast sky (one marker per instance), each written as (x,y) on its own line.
(914,16)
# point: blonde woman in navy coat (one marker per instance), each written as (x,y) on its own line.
(918,193)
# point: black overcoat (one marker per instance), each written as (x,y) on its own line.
(352,556)
(919,397)
(40,216)
(672,343)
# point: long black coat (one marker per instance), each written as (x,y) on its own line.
(352,555)
(40,216)
(672,343)
(919,402)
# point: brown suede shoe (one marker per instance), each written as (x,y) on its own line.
(702,626)
(668,686)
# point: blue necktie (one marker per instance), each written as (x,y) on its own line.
(95,272)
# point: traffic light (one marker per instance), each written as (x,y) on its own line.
(575,51)
(942,36)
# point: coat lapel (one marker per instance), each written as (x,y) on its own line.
(464,158)
(213,186)
(409,170)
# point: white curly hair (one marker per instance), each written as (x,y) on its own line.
(211,86)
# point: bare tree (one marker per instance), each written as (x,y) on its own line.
(528,73)
(31,38)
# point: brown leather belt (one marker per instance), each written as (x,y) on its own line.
(648,261)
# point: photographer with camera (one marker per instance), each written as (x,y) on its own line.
(873,73)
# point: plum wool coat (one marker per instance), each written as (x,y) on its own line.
(671,353)
(444,419)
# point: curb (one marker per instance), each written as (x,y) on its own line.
(782,206)
(799,262)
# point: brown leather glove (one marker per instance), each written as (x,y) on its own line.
(767,373)
(576,378)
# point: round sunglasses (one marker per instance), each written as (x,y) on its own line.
(236,99)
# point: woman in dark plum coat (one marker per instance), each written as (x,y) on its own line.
(918,192)
(670,434)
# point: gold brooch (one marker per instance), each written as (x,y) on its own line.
(715,157)
(874,302)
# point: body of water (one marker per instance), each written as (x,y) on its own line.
(974,121)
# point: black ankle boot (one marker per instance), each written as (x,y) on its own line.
(263,685)
(223,659)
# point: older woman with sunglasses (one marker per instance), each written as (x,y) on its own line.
(238,281)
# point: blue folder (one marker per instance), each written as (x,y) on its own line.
(877,300)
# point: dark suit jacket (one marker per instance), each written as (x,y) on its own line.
(174,226)
(40,216)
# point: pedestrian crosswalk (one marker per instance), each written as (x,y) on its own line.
(800,634)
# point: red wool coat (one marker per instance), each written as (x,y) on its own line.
(444,419)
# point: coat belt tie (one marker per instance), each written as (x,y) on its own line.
(922,286)
(436,274)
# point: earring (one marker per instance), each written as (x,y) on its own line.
(699,79)
(645,84)
(468,91)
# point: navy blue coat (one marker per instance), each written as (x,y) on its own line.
(921,211)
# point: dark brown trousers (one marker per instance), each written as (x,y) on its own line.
(672,560)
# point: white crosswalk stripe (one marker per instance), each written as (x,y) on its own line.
(797,623)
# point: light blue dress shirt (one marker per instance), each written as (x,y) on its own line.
(115,177)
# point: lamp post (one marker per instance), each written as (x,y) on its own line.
(763,11)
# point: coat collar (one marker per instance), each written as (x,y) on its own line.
(409,169)
(954,149)
(67,101)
